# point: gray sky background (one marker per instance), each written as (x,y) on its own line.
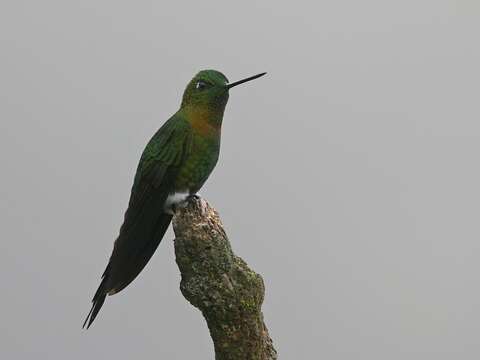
(348,177)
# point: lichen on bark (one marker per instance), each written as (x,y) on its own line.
(220,284)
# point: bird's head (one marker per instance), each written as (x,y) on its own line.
(206,89)
(209,89)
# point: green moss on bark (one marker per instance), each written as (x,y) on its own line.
(221,285)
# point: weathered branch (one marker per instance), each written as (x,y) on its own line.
(220,285)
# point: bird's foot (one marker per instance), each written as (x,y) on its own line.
(184,202)
(175,206)
(203,203)
(193,197)
(176,201)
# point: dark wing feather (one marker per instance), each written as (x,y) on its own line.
(145,221)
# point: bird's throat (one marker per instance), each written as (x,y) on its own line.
(205,121)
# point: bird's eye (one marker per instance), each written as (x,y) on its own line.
(200,85)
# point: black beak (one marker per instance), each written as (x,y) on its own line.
(229,86)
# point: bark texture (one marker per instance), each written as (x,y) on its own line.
(220,284)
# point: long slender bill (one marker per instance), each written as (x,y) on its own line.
(229,86)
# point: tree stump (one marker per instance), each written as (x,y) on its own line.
(220,284)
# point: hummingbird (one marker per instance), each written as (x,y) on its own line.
(174,165)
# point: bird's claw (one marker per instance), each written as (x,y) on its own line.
(203,203)
(193,197)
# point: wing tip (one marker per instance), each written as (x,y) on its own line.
(97,301)
(96,306)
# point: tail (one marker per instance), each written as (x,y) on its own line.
(130,254)
(98,300)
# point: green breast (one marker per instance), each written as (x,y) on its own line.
(199,164)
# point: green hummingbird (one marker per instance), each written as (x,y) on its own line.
(175,164)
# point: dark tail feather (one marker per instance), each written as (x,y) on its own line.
(127,260)
(133,253)
(97,301)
